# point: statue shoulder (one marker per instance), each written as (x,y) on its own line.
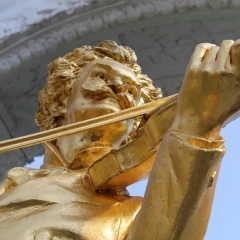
(61,203)
(20,175)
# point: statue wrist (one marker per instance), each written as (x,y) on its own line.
(196,129)
(200,142)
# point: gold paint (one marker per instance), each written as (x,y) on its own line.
(55,133)
(110,129)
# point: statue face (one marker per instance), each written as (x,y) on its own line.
(105,86)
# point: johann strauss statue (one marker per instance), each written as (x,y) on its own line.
(68,197)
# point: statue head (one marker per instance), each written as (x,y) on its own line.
(87,83)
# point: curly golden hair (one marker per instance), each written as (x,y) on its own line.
(63,72)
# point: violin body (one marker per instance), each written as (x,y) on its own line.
(133,161)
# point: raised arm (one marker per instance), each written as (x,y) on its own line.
(178,199)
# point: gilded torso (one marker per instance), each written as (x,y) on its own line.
(64,206)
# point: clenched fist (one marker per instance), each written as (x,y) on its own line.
(210,93)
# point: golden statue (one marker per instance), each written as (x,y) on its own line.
(80,191)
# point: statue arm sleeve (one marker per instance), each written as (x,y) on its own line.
(179,195)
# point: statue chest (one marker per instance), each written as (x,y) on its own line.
(71,221)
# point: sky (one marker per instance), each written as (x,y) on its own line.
(225,217)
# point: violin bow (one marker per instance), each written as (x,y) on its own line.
(52,134)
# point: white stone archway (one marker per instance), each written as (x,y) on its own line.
(163,33)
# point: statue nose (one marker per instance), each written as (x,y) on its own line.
(117,81)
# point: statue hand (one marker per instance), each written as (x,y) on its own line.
(210,93)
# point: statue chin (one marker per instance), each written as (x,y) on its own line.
(88,156)
(82,150)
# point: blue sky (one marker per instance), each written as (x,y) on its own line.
(225,218)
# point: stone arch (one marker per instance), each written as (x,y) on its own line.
(163,34)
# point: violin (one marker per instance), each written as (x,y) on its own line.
(129,163)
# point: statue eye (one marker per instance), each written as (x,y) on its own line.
(101,76)
(130,91)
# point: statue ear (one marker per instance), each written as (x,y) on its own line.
(52,157)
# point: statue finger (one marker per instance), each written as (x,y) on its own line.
(209,62)
(199,53)
(224,55)
(235,53)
